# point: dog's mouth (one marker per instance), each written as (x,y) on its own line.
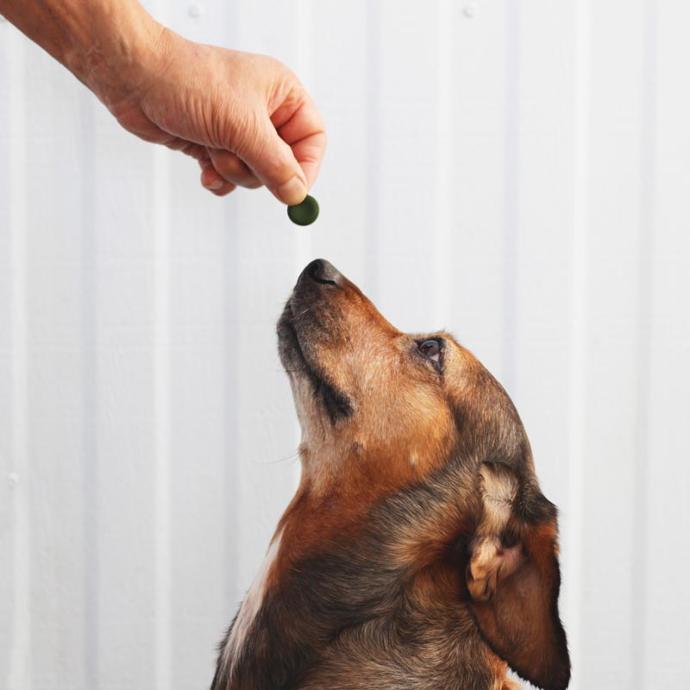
(297,360)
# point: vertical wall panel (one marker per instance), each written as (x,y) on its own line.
(514,171)
(90,401)
(545,131)
(665,631)
(406,150)
(613,355)
(17,523)
(478,179)
(342,84)
(53,237)
(124,265)
(575,401)
(7,473)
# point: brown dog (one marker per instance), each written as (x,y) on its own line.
(418,551)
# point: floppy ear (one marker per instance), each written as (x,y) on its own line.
(513,579)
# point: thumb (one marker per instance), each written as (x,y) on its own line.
(274,163)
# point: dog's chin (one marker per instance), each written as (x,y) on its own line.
(289,348)
(298,364)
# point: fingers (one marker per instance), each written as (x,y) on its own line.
(282,152)
(273,162)
(283,148)
(286,160)
(285,154)
(305,133)
(221,171)
(187,147)
(212,181)
(232,169)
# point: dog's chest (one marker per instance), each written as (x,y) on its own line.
(359,609)
(341,628)
(234,646)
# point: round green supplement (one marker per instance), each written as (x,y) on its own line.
(305,213)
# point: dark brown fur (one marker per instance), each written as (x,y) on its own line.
(418,551)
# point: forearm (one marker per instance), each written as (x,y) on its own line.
(103,42)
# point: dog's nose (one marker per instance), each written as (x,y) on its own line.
(323,272)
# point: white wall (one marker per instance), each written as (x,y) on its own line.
(515,170)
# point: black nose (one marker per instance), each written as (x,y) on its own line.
(323,272)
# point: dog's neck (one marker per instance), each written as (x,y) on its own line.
(340,484)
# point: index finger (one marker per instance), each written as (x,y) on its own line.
(305,133)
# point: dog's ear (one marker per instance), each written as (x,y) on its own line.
(513,580)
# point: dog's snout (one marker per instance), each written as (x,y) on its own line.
(323,272)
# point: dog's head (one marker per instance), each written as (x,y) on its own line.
(362,387)
(382,410)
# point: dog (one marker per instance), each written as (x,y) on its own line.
(418,551)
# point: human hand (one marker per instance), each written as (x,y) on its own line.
(246,118)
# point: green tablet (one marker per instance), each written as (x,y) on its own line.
(305,213)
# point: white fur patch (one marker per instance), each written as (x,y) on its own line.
(249,608)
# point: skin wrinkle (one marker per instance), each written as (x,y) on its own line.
(392,573)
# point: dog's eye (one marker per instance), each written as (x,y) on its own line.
(431,349)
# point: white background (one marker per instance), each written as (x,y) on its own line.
(517,171)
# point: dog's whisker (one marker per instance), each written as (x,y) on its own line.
(287,458)
(304,312)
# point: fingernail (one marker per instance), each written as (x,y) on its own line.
(293,191)
(214,184)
